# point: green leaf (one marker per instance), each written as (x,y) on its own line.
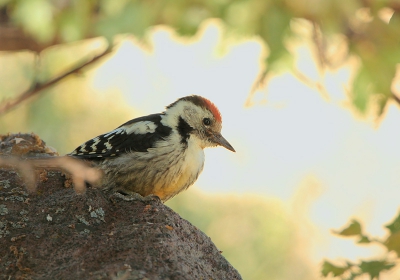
(364,240)
(353,229)
(328,268)
(395,225)
(393,242)
(362,90)
(36,18)
(4,2)
(274,29)
(135,17)
(374,268)
(352,276)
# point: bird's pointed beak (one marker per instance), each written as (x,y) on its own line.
(220,140)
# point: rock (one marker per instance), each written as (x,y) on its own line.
(55,233)
(25,145)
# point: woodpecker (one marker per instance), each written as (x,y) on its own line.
(159,154)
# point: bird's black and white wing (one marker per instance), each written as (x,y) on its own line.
(136,135)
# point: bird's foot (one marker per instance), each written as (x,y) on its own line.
(131,196)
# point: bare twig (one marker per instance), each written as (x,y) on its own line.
(319,43)
(310,83)
(8,105)
(80,171)
(259,83)
(396,98)
(26,171)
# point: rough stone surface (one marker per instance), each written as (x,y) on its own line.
(24,145)
(55,233)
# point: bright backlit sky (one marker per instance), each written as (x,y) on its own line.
(293,139)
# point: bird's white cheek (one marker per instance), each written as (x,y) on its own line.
(195,153)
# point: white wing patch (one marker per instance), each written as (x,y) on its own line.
(142,127)
(115,131)
(108,145)
(134,136)
(96,141)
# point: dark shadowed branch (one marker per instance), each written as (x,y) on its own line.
(396,98)
(80,171)
(10,104)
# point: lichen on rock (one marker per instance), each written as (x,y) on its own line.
(90,236)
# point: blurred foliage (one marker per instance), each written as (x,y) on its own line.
(258,236)
(370,28)
(62,115)
(371,268)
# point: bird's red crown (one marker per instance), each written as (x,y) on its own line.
(202,102)
(213,109)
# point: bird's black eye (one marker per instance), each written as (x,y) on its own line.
(206,121)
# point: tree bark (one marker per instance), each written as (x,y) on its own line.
(55,233)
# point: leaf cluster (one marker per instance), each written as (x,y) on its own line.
(372,268)
(369,28)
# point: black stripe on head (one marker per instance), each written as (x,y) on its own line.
(184,130)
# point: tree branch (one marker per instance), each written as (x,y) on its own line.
(319,44)
(396,98)
(8,105)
